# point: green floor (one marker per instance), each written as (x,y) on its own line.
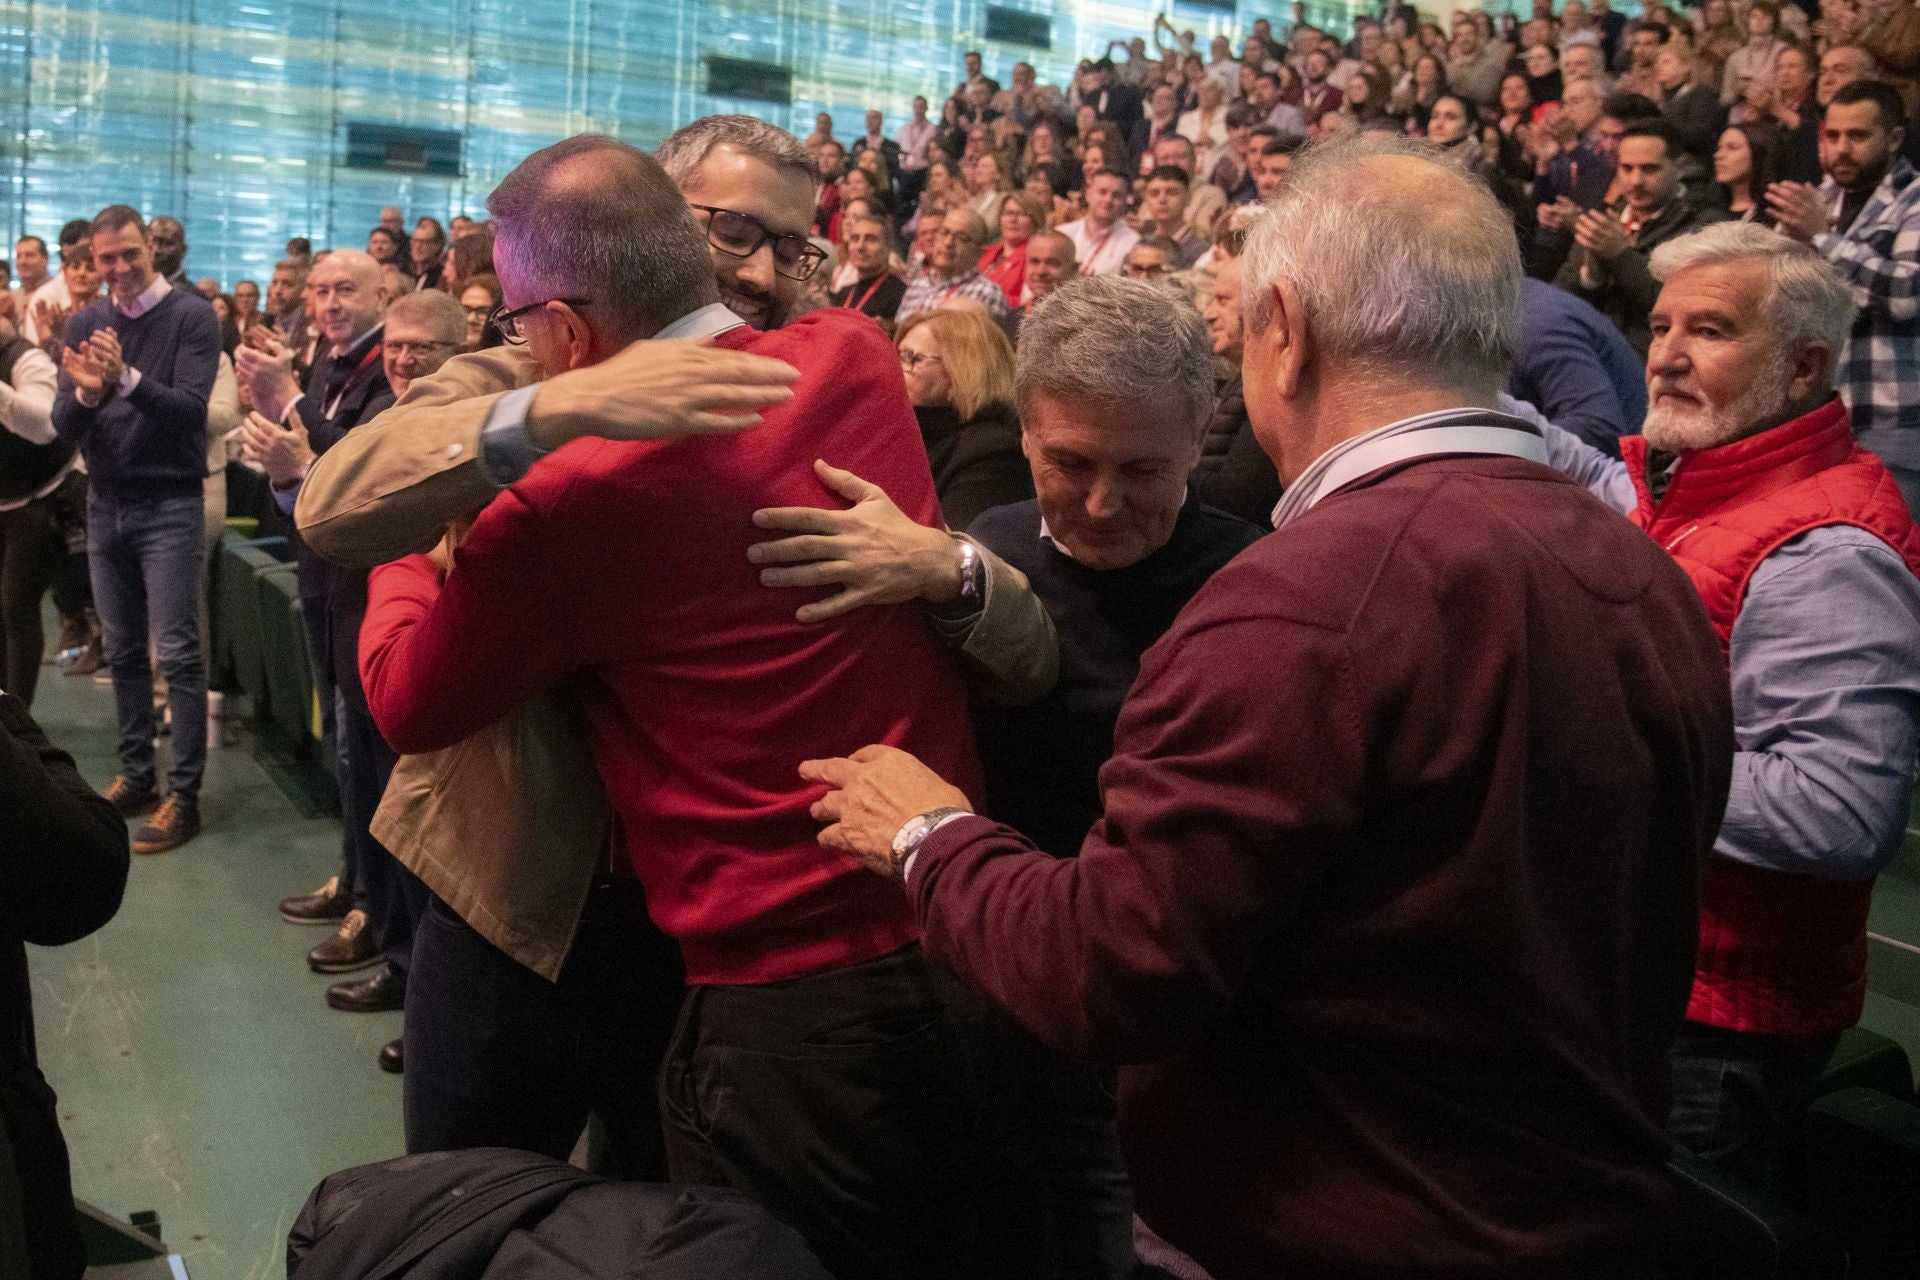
(200,1073)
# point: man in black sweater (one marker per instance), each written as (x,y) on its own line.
(63,866)
(135,379)
(1115,384)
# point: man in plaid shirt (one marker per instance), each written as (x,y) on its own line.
(1865,218)
(953,271)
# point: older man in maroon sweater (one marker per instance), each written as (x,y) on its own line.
(822,1064)
(1392,903)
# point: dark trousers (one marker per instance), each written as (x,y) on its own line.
(1066,1140)
(72,588)
(149,574)
(856,1106)
(31,550)
(497,1056)
(1738,1099)
(394,898)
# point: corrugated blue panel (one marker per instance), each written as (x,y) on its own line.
(232,114)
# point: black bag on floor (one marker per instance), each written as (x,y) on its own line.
(494,1214)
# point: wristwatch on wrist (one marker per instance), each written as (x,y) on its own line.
(972,575)
(914,832)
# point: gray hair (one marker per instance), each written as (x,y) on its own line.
(591,217)
(1396,274)
(686,149)
(1118,341)
(1809,300)
(439,313)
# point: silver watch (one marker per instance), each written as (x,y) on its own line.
(914,832)
(970,575)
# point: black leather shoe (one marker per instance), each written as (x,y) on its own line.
(351,947)
(393,1057)
(325,905)
(378,992)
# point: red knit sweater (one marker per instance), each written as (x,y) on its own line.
(625,566)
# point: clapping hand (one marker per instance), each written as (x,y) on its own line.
(1600,234)
(105,344)
(266,367)
(1558,216)
(83,369)
(1797,210)
(52,321)
(282,452)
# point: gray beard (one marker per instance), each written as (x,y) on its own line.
(1710,426)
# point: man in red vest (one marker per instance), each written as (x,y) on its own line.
(1806,558)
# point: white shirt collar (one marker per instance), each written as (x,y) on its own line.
(1445,431)
(149,298)
(709,321)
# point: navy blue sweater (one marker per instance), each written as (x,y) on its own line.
(1043,761)
(151,443)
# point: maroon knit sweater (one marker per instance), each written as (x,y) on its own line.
(1394,895)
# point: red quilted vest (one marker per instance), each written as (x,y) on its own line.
(1780,954)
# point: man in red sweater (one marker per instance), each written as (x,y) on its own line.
(822,1064)
(1390,915)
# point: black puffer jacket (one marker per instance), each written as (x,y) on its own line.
(493,1214)
(1234,473)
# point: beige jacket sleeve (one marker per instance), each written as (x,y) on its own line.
(1012,652)
(391,488)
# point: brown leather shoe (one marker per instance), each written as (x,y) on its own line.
(326,905)
(382,990)
(173,824)
(129,800)
(351,947)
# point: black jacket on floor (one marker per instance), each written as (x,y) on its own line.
(63,867)
(493,1214)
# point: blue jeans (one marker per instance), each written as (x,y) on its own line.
(148,561)
(1738,1099)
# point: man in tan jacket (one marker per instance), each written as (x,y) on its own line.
(508,829)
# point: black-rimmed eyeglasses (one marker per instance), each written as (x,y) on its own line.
(508,322)
(741,235)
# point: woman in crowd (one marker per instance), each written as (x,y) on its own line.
(1516,107)
(1423,87)
(1367,93)
(1005,261)
(1716,34)
(1542,70)
(229,322)
(988,183)
(959,371)
(1746,160)
(1043,148)
(480,298)
(1453,126)
(1045,185)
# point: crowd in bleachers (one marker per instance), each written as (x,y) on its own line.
(1242,533)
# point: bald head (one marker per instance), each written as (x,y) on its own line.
(347,295)
(593,218)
